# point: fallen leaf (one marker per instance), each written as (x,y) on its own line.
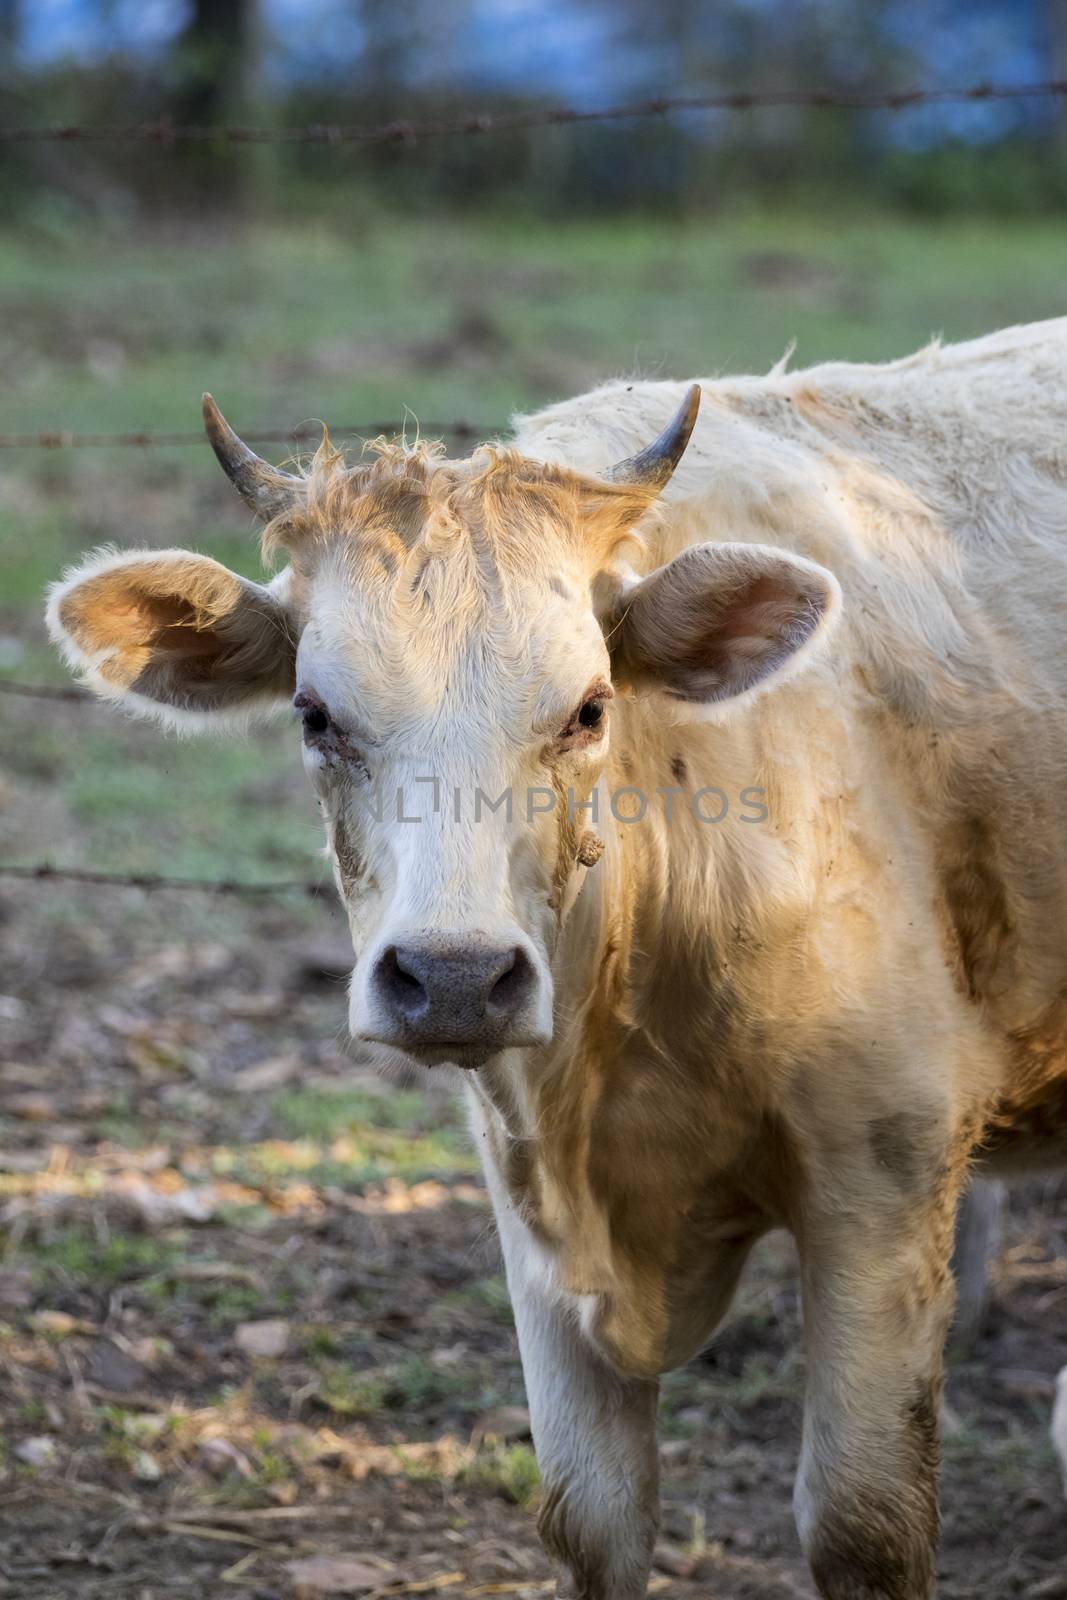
(39,1451)
(266,1339)
(31,1107)
(240,1568)
(522,1586)
(506,1423)
(156,1053)
(440,1580)
(679,1563)
(324,1575)
(269,1074)
(216,1272)
(12,1161)
(91,1103)
(157,1208)
(254,1006)
(181,962)
(59,1324)
(674,1449)
(151,1349)
(145,1467)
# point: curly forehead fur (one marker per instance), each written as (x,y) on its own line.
(408,519)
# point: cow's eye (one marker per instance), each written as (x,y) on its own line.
(314,717)
(591,713)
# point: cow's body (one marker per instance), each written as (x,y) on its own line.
(814,1012)
(815,1020)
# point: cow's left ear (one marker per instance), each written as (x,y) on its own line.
(720,621)
(175,635)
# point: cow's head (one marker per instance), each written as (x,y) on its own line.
(449,637)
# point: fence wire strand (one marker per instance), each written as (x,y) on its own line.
(46,691)
(44,872)
(147,439)
(410,131)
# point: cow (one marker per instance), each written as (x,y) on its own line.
(694,774)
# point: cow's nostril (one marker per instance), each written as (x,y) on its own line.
(511,986)
(402,987)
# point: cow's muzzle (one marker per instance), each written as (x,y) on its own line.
(455,997)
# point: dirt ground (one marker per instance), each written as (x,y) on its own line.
(253,1316)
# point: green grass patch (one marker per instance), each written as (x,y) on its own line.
(104,1261)
(485,1296)
(326,1114)
(508,1470)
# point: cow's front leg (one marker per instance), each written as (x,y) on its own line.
(594,1433)
(877,1303)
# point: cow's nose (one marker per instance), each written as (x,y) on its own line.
(444,992)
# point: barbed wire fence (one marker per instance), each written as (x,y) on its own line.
(410,132)
(45,872)
(406,133)
(149,439)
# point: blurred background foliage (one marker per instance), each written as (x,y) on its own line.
(367,61)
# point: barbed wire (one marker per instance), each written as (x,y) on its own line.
(408,131)
(147,439)
(46,691)
(44,872)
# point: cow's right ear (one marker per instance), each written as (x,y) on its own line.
(176,636)
(720,622)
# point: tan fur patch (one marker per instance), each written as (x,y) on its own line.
(415,501)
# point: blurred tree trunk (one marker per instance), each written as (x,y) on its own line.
(391,35)
(9,36)
(212,69)
(212,59)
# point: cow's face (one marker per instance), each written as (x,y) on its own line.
(451,641)
(454,707)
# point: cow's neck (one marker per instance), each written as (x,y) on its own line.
(652,1106)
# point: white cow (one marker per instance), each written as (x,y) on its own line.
(737,879)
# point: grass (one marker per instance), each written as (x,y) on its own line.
(323,1114)
(508,1470)
(366,1154)
(82,1256)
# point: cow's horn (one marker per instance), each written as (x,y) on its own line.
(655,464)
(266,489)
